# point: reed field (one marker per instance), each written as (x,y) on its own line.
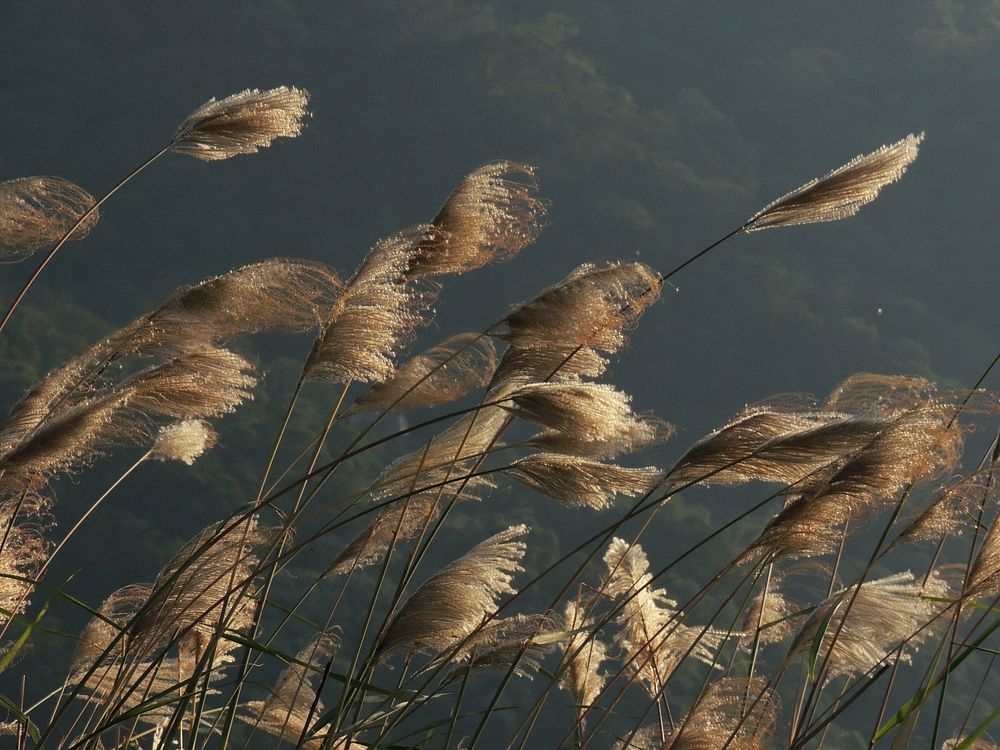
(846,597)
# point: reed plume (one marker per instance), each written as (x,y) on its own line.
(580,483)
(770,614)
(452,603)
(396,523)
(582,679)
(717,720)
(594,306)
(916,444)
(183,441)
(24,522)
(585,419)
(555,364)
(949,510)
(36,212)
(293,703)
(884,613)
(770,444)
(984,578)
(102,639)
(518,643)
(652,640)
(842,192)
(439,375)
(374,316)
(242,123)
(491,215)
(205,588)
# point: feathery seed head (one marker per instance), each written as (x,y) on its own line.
(183,441)
(578,482)
(37,211)
(492,215)
(452,603)
(242,123)
(842,192)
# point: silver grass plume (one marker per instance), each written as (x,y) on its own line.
(718,720)
(439,375)
(24,522)
(769,444)
(915,445)
(582,679)
(293,703)
(581,483)
(242,123)
(652,639)
(593,306)
(276,294)
(452,603)
(147,691)
(984,578)
(207,585)
(106,628)
(491,215)
(447,455)
(842,192)
(587,419)
(977,744)
(949,511)
(72,438)
(374,316)
(555,364)
(772,612)
(36,212)
(395,523)
(204,383)
(518,641)
(885,613)
(183,441)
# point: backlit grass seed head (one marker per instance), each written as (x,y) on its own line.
(771,611)
(773,445)
(373,318)
(439,375)
(554,364)
(593,306)
(102,631)
(583,678)
(208,582)
(183,441)
(885,612)
(24,524)
(578,482)
(492,215)
(915,445)
(586,419)
(242,123)
(277,294)
(36,212)
(455,601)
(718,720)
(984,579)
(950,511)
(652,639)
(205,383)
(395,523)
(293,704)
(516,642)
(842,192)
